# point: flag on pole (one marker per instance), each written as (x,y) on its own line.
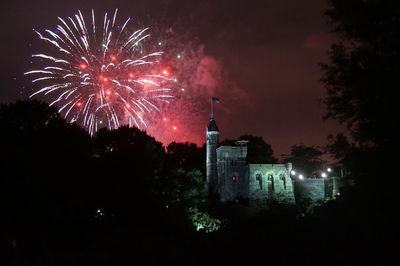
(213,100)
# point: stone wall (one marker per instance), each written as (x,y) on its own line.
(233,175)
(270,182)
(312,190)
(264,183)
(309,190)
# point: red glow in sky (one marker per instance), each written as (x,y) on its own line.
(258,60)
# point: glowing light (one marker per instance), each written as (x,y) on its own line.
(96,49)
(182,89)
(301,177)
(293,172)
(324,175)
(174,128)
(329,169)
(165,72)
(99,213)
(165,119)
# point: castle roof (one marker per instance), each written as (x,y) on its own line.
(212,126)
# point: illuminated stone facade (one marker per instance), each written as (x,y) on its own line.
(230,178)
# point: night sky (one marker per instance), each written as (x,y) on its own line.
(269,52)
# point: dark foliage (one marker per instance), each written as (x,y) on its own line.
(118,198)
(187,156)
(306,159)
(63,191)
(258,150)
(361,78)
(363,70)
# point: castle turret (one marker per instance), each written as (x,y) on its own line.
(212,144)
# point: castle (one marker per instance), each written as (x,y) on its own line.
(230,178)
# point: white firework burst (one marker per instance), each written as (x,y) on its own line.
(101,76)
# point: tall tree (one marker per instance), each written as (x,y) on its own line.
(187,156)
(362,74)
(258,150)
(306,159)
(43,159)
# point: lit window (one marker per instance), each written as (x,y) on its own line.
(234,179)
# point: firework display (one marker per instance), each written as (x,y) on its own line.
(102,74)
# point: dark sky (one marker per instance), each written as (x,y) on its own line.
(270,50)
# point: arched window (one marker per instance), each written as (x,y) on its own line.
(283,178)
(259,179)
(271,186)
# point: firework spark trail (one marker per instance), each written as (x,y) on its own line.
(101,74)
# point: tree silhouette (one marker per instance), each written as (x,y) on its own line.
(184,177)
(306,159)
(363,70)
(187,156)
(361,78)
(258,151)
(41,154)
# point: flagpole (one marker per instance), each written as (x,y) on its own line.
(212,108)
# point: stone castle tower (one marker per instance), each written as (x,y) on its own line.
(211,160)
(231,178)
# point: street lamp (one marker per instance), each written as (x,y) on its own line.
(324,175)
